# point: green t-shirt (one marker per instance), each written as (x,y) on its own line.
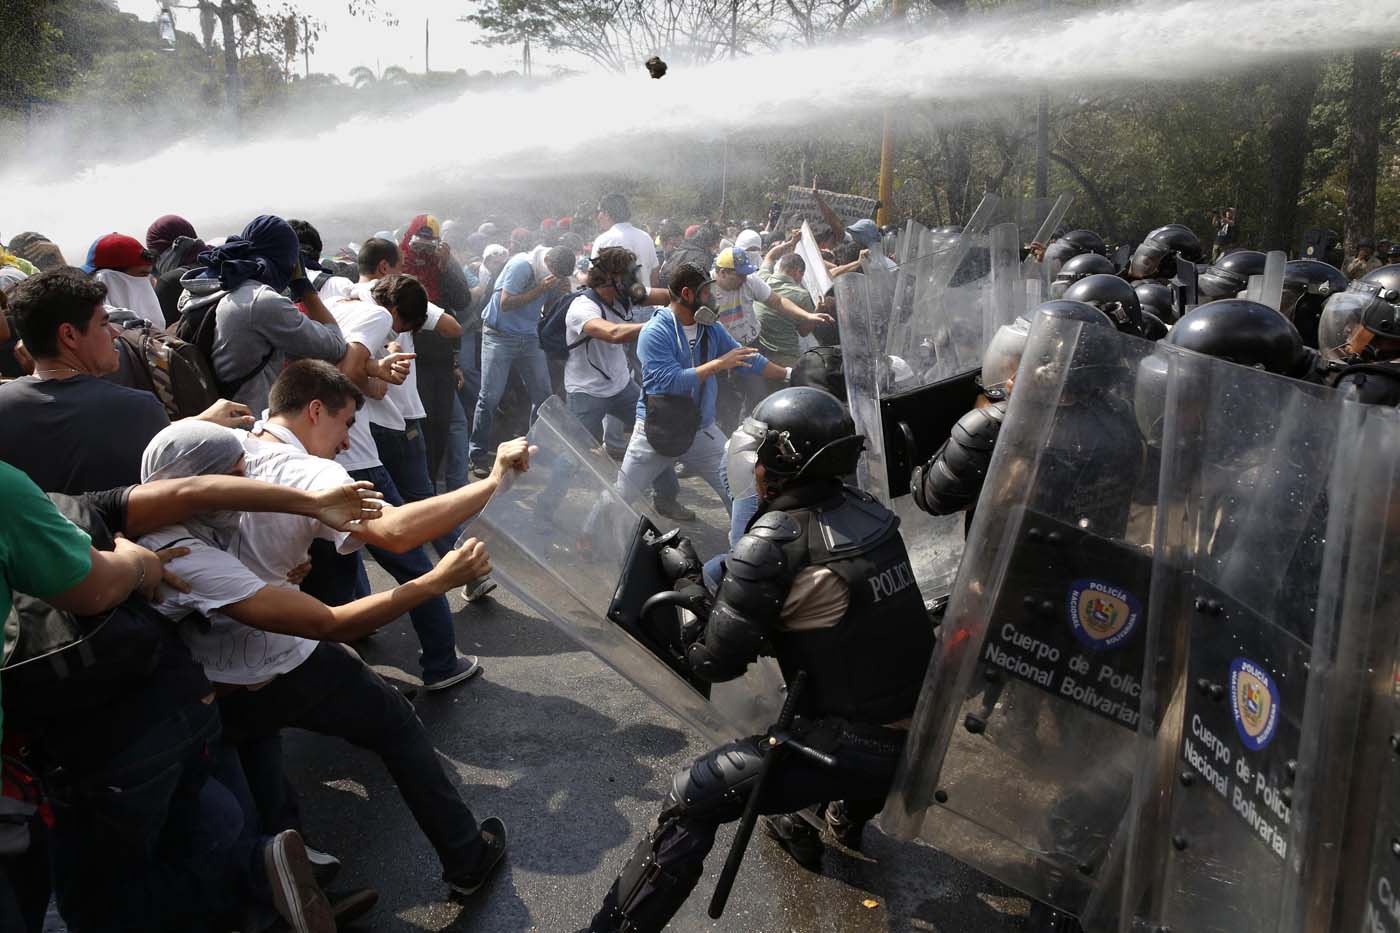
(41,552)
(777,335)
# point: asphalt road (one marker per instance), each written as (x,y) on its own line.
(577,761)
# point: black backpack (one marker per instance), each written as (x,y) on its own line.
(175,371)
(553,326)
(57,663)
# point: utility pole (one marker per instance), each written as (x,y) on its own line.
(882,216)
(305,48)
(1042,134)
(526,59)
(427,44)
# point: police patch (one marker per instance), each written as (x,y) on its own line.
(1102,615)
(1254,703)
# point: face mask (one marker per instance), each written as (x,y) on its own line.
(704,314)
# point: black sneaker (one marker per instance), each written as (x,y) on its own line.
(493,837)
(798,838)
(670,508)
(295,894)
(481,472)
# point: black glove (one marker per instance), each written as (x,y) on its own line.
(698,601)
(679,561)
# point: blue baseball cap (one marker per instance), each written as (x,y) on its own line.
(865,232)
(736,259)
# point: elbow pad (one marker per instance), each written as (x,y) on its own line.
(952,479)
(758,576)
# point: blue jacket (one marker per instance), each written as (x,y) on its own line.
(668,363)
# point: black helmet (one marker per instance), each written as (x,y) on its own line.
(1080,267)
(1244,332)
(1230,274)
(1150,259)
(1003,353)
(1085,241)
(806,434)
(1307,284)
(1370,304)
(1157,299)
(1113,297)
(1060,252)
(821,368)
(1153,328)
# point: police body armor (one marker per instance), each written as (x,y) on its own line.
(867,668)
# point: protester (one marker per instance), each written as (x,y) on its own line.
(256,328)
(615,222)
(177,247)
(70,430)
(510,340)
(123,265)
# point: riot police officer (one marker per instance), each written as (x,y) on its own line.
(1307,284)
(1360,329)
(952,478)
(1156,257)
(1113,297)
(1080,267)
(822,581)
(1248,333)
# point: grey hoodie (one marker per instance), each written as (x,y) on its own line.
(258,329)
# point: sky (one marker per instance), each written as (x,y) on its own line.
(347,41)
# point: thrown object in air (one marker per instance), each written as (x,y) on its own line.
(656,67)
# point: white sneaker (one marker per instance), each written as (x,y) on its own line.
(478,589)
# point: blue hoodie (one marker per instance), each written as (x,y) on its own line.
(668,363)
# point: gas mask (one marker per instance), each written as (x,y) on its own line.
(630,288)
(704,313)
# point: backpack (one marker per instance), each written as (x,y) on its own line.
(553,325)
(197,326)
(170,368)
(58,663)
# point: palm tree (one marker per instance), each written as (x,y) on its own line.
(363,77)
(399,76)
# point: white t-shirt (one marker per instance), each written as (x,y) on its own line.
(405,396)
(595,367)
(371,327)
(229,652)
(736,307)
(629,237)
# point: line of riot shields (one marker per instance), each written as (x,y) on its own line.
(1164,692)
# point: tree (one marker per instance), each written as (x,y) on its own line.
(620,34)
(1363,145)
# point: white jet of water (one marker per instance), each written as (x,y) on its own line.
(512,135)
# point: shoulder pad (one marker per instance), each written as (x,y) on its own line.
(777,526)
(855,523)
(978,428)
(756,558)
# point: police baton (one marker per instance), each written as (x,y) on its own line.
(779,742)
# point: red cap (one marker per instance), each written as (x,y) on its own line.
(692,230)
(565,223)
(519,233)
(118,251)
(547,223)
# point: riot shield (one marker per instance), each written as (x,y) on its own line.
(560,537)
(1240,631)
(1347,805)
(814,276)
(1019,759)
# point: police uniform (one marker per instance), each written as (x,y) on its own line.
(821,581)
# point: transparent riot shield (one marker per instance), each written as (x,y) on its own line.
(559,537)
(1241,629)
(1019,761)
(1346,814)
(935,544)
(815,278)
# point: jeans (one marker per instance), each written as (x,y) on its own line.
(405,456)
(457,471)
(642,465)
(591,410)
(148,841)
(336,579)
(469,362)
(334,693)
(499,354)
